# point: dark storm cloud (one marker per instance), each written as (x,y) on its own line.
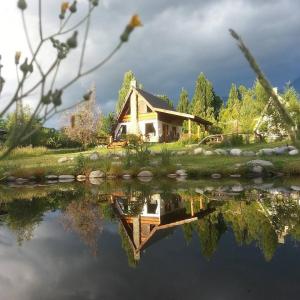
(180,39)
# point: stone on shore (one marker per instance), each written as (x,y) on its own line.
(235,152)
(66,178)
(181,172)
(294,152)
(63,159)
(208,152)
(221,152)
(95,181)
(248,153)
(145,174)
(260,162)
(80,177)
(237,188)
(94,156)
(51,177)
(266,151)
(295,188)
(216,176)
(281,150)
(198,150)
(97,174)
(257,169)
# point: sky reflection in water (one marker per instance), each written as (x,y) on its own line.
(164,240)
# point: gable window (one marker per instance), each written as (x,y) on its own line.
(150,129)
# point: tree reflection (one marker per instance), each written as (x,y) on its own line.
(85,218)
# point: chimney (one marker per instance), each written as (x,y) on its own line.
(133,83)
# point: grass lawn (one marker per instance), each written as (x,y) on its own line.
(45,162)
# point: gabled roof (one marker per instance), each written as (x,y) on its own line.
(161,106)
(155,101)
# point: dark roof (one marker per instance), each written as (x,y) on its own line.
(154,101)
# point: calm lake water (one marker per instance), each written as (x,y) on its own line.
(151,240)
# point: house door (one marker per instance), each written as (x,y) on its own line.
(165,132)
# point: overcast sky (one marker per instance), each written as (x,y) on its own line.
(179,40)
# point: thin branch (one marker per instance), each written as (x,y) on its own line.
(100,64)
(29,42)
(40,20)
(87,27)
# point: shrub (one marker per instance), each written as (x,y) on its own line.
(185,139)
(137,152)
(233,140)
(81,165)
(165,155)
(116,170)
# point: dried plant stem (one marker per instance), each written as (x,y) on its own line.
(289,123)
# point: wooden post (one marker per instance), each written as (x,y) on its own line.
(190,127)
(198,131)
(192,208)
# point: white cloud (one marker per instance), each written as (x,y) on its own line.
(178,41)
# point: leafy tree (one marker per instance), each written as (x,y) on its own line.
(210,229)
(183,103)
(217,104)
(202,104)
(292,102)
(85,122)
(167,100)
(125,87)
(17,121)
(249,111)
(108,124)
(183,106)
(230,114)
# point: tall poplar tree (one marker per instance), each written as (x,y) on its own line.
(167,100)
(203,99)
(183,103)
(183,106)
(230,114)
(125,87)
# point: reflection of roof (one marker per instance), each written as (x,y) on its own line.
(155,101)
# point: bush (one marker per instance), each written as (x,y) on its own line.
(137,152)
(165,155)
(81,166)
(233,140)
(185,139)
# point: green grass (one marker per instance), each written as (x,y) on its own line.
(41,162)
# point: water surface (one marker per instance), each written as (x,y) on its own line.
(145,240)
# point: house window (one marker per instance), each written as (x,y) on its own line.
(123,129)
(149,129)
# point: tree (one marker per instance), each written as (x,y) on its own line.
(183,103)
(167,100)
(85,122)
(292,102)
(230,114)
(17,120)
(249,111)
(108,124)
(125,87)
(183,106)
(203,99)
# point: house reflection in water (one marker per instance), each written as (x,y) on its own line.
(156,218)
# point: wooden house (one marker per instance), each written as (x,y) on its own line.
(152,118)
(157,218)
